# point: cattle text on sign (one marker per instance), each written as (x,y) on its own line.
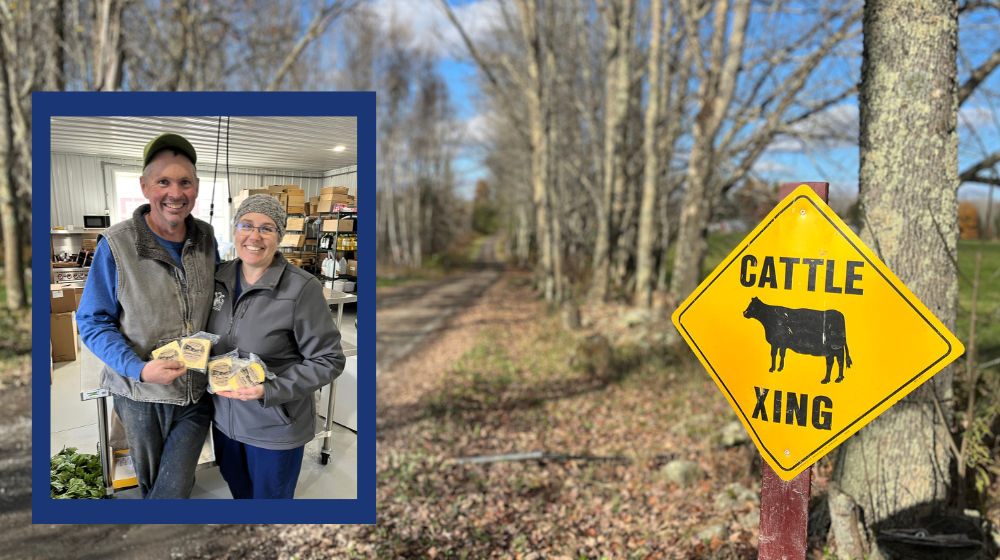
(807,283)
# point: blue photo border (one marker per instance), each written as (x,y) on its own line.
(301,104)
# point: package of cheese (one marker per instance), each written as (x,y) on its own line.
(247,376)
(249,372)
(220,370)
(170,351)
(196,348)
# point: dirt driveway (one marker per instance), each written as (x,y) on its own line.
(408,314)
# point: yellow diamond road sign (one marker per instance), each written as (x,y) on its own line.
(808,334)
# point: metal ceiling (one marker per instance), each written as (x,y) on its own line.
(293,143)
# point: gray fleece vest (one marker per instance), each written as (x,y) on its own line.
(160,302)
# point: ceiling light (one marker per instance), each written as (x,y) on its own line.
(338,149)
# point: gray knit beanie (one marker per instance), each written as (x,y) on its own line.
(267,205)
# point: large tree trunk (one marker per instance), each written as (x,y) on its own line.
(108,54)
(898,468)
(716,85)
(55,76)
(13,257)
(538,117)
(644,251)
(617,47)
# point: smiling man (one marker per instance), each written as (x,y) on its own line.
(151,282)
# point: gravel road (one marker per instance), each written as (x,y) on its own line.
(411,313)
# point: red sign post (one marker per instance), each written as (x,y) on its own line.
(784,506)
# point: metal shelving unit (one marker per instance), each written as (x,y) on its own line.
(337,235)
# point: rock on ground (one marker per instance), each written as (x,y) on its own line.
(734,433)
(735,495)
(718,530)
(683,473)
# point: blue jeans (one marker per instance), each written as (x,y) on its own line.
(255,472)
(165,441)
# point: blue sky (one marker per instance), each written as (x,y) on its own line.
(837,164)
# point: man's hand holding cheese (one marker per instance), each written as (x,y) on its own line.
(162,372)
(151,281)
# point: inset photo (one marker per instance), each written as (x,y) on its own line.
(204,308)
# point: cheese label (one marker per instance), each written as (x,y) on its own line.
(195,352)
(219,373)
(171,351)
(247,376)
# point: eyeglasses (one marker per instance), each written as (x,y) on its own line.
(244,227)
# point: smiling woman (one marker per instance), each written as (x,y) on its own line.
(270,307)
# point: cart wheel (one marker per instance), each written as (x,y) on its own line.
(325,458)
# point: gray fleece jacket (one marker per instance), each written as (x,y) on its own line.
(159,302)
(284,319)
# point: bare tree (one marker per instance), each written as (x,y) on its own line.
(773,84)
(619,20)
(532,88)
(896,469)
(13,258)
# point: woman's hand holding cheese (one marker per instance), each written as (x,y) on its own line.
(244,394)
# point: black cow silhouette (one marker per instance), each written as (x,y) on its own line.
(805,331)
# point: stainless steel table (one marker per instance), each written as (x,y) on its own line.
(338,298)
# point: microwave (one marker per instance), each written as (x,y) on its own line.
(96,222)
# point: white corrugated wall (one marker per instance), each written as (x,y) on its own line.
(343,177)
(78,187)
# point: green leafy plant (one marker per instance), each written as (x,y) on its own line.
(75,476)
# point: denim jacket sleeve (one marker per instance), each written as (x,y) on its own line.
(318,342)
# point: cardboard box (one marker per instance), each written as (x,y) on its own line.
(78,293)
(346,225)
(65,340)
(276,189)
(337,198)
(122,470)
(62,298)
(314,200)
(296,199)
(295,224)
(325,206)
(335,190)
(352,268)
(250,192)
(293,240)
(296,210)
(295,192)
(329,225)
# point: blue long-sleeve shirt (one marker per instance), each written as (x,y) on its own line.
(98,314)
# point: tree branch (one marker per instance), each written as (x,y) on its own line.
(972,173)
(484,66)
(316,28)
(977,77)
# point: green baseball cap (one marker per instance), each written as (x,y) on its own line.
(168,140)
